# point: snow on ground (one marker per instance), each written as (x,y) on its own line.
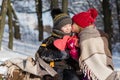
(116,61)
(20,50)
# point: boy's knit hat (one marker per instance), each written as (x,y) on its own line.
(60,19)
(84,19)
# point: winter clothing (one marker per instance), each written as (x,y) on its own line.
(95,59)
(61,20)
(84,19)
(49,53)
(55,12)
(72,45)
(70,42)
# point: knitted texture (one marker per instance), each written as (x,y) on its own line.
(61,20)
(84,19)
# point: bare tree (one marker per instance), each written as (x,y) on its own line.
(39,17)
(9,12)
(107,19)
(54,4)
(16,25)
(118,12)
(3,17)
(65,6)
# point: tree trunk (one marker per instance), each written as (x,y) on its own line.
(65,6)
(118,13)
(39,16)
(107,20)
(54,4)
(10,43)
(2,21)
(16,25)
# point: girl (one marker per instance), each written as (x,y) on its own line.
(95,59)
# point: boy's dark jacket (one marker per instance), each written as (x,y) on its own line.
(48,52)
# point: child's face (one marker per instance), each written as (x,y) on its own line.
(75,28)
(67,28)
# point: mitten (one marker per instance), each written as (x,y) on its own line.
(72,42)
(74,53)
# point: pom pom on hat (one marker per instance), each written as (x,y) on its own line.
(84,19)
(55,12)
(93,13)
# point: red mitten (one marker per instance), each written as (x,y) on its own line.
(71,44)
(74,54)
(61,43)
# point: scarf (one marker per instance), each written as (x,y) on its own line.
(93,59)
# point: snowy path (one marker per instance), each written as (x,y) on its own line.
(20,49)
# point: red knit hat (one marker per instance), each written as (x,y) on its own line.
(84,19)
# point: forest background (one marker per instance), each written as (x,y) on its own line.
(25,23)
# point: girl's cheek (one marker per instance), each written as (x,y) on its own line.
(72,28)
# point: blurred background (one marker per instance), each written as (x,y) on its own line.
(30,21)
